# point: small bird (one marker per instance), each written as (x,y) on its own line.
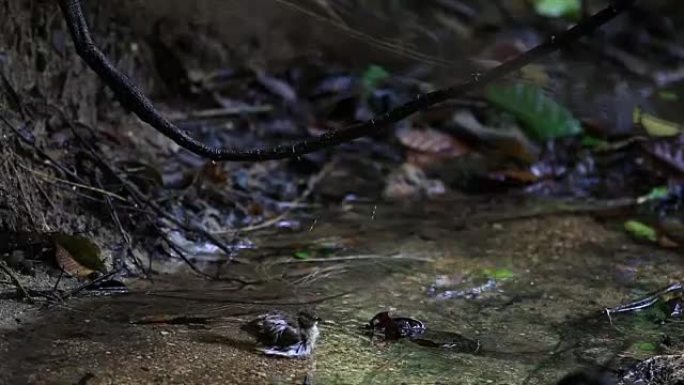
(395,327)
(278,336)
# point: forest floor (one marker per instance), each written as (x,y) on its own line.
(532,182)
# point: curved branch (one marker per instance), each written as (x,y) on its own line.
(134,99)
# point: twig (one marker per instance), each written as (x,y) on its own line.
(400,50)
(644,303)
(138,196)
(51,161)
(133,97)
(55,287)
(49,178)
(124,234)
(181,254)
(17,283)
(90,284)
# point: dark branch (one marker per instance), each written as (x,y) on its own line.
(134,99)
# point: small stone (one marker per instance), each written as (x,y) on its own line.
(164,333)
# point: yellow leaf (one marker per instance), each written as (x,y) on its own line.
(655,126)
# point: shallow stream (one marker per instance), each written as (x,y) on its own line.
(531,290)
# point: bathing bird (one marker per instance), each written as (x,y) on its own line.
(277,335)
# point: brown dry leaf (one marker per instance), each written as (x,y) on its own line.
(410,182)
(77,255)
(497,143)
(400,190)
(68,264)
(506,148)
(214,172)
(429,146)
(665,242)
(431,141)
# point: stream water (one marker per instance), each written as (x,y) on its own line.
(531,290)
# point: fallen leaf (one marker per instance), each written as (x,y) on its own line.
(541,116)
(656,193)
(558,8)
(214,172)
(373,76)
(665,242)
(499,274)
(427,147)
(655,126)
(641,231)
(497,143)
(77,255)
(410,182)
(69,265)
(302,254)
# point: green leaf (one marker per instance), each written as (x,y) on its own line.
(645,346)
(302,254)
(668,96)
(82,250)
(592,141)
(558,8)
(641,231)
(541,117)
(657,193)
(373,75)
(502,273)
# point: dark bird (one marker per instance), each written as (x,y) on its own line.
(395,327)
(278,336)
